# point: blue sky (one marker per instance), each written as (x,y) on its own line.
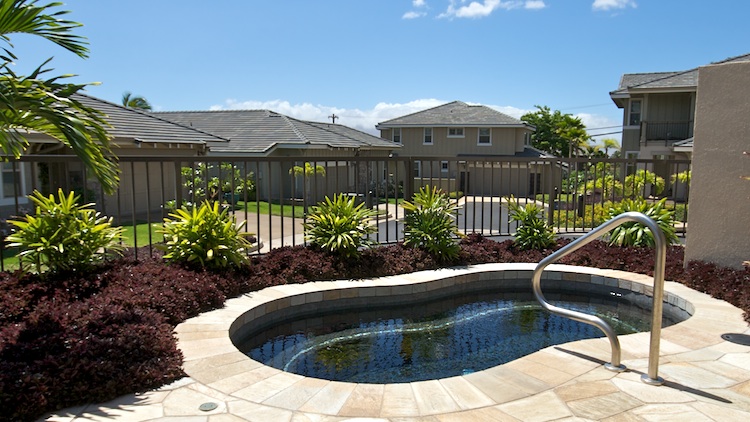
(372,60)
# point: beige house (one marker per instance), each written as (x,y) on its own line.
(659,112)
(471,148)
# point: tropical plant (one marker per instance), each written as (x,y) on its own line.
(636,234)
(429,223)
(209,181)
(307,172)
(49,106)
(206,236)
(62,235)
(135,102)
(682,177)
(636,182)
(610,143)
(533,231)
(340,226)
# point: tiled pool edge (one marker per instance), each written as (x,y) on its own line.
(211,358)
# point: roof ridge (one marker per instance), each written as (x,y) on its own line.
(309,122)
(151,115)
(294,128)
(422,111)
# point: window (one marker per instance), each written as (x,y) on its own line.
(634,118)
(417,169)
(527,138)
(10,177)
(455,132)
(397,135)
(485,136)
(444,166)
(428,136)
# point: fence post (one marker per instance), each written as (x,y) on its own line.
(552,194)
(409,179)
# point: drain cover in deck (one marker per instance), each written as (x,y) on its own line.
(742,339)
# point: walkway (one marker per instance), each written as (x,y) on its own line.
(705,360)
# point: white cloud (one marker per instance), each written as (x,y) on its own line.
(413,15)
(419,4)
(483,8)
(534,4)
(612,4)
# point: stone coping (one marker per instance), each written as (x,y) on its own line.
(212,360)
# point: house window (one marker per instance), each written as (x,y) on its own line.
(11,180)
(634,115)
(417,172)
(485,136)
(444,166)
(455,132)
(397,135)
(428,136)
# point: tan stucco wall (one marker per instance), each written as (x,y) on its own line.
(719,219)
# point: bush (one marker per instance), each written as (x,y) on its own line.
(62,235)
(339,226)
(533,232)
(429,223)
(204,235)
(636,234)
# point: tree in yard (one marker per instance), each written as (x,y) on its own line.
(308,172)
(135,102)
(610,143)
(557,133)
(49,106)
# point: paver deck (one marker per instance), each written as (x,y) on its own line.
(707,377)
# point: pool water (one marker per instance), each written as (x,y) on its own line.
(435,339)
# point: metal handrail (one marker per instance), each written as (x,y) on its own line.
(652,377)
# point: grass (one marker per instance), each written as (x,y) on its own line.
(262,207)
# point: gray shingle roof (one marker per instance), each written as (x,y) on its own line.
(259,131)
(145,127)
(662,80)
(456,113)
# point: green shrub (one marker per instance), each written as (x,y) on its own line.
(636,234)
(635,183)
(533,231)
(429,223)
(62,235)
(339,226)
(204,235)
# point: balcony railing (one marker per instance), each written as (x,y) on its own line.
(665,132)
(573,201)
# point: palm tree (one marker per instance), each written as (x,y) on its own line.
(610,143)
(50,106)
(135,102)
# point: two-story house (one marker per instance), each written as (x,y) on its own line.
(466,147)
(659,112)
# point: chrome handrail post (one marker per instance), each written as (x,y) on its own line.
(658,291)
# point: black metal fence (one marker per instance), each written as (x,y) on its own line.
(271,195)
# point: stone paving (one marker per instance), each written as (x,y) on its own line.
(707,377)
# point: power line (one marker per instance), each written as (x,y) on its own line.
(604,127)
(607,133)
